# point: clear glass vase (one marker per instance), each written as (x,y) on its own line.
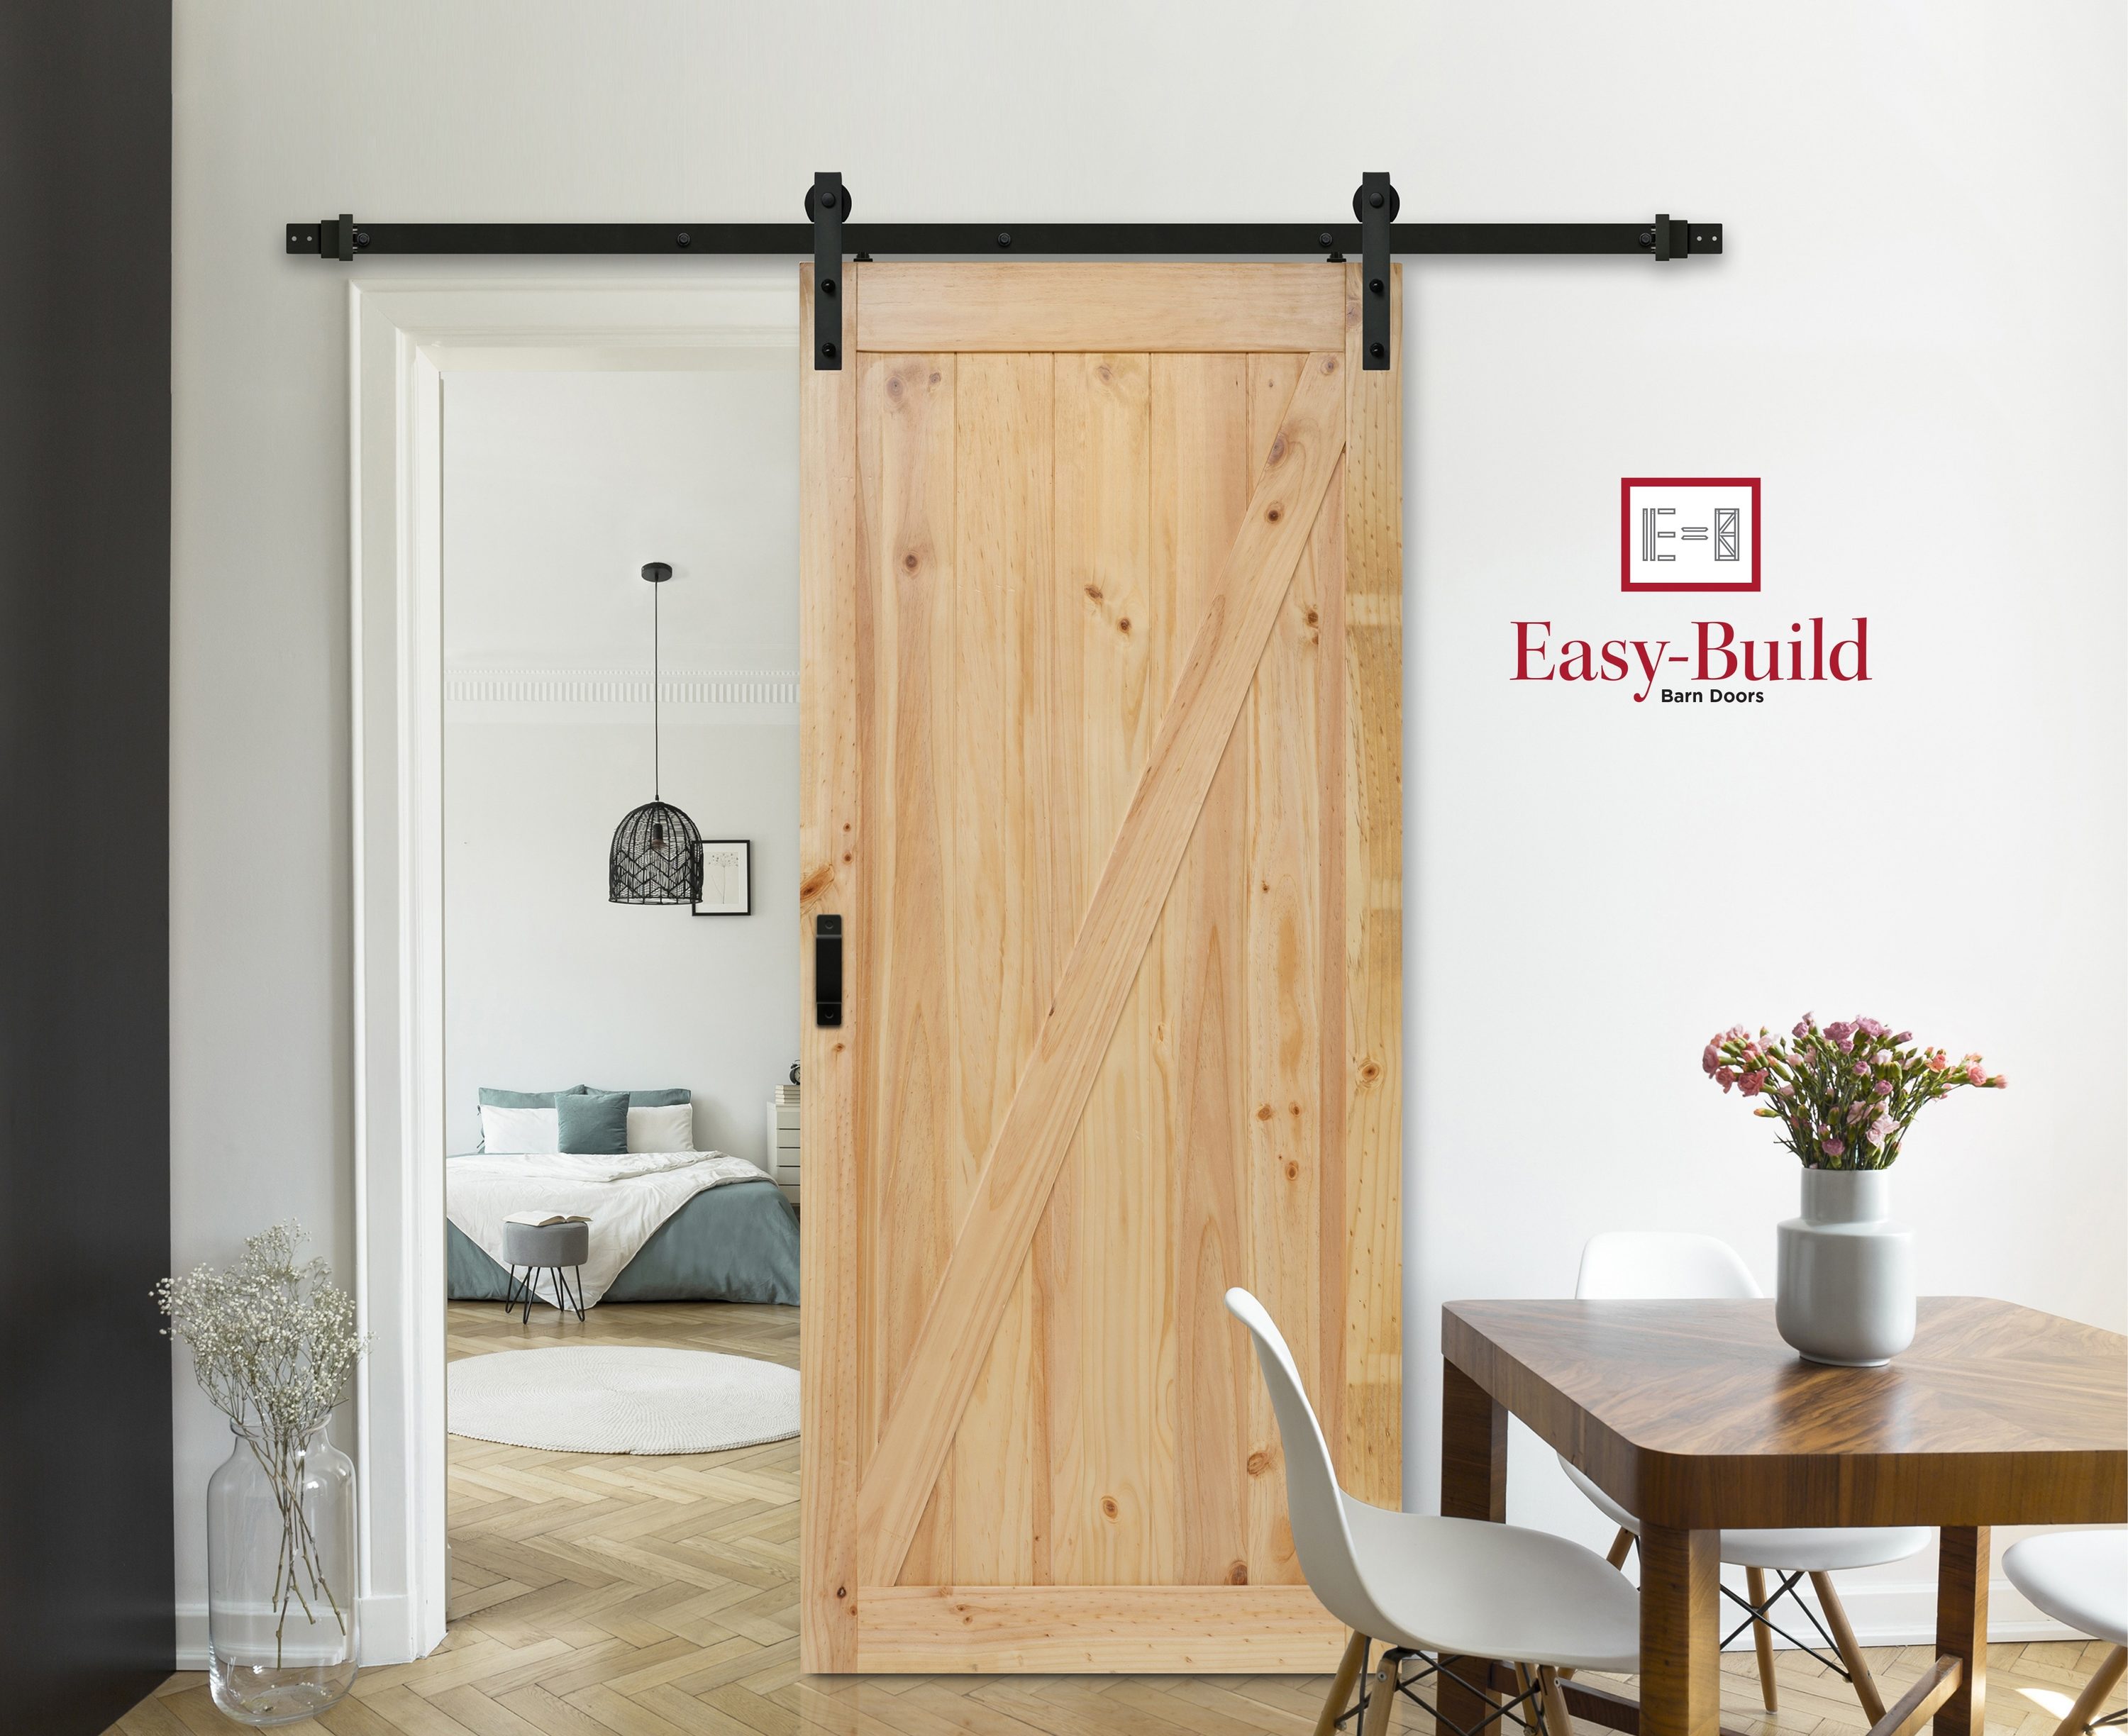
(281,1576)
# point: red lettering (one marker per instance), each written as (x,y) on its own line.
(1708,650)
(1524,649)
(1860,641)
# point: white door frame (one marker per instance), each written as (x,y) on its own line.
(402,337)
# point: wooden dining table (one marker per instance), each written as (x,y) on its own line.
(1694,1415)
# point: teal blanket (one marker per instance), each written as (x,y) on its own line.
(735,1243)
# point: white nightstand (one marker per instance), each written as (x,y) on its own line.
(783,1148)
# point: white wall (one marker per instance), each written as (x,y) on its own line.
(1915,339)
(557,488)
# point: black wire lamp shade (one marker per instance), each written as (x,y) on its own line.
(657,858)
(657,853)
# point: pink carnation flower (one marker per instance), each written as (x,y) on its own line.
(1883,1088)
(1724,1077)
(1751,1084)
(1835,1147)
(1976,1074)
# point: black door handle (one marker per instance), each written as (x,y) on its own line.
(827,971)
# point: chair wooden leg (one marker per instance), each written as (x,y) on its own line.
(1341,1685)
(1558,1721)
(1381,1695)
(2094,1694)
(1762,1637)
(1621,1546)
(1851,1653)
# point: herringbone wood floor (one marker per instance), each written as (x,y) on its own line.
(598,1597)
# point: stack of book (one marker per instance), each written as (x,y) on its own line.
(783,1141)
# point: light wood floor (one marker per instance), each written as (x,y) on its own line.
(620,1597)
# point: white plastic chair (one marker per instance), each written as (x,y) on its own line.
(2081,1578)
(1447,1587)
(1646,1265)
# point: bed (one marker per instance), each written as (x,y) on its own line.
(665,1226)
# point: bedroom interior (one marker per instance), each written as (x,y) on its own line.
(611,1234)
(627,682)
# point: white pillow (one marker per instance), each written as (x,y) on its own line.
(661,1130)
(520,1129)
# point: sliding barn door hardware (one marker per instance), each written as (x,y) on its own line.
(827,203)
(827,236)
(1376,206)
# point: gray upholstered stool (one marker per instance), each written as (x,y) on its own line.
(545,1248)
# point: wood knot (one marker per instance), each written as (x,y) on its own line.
(1275,513)
(909,561)
(1293,1108)
(1123,625)
(1292,1171)
(1328,366)
(1238,1573)
(1259,1463)
(1263,1114)
(815,880)
(1312,618)
(1104,373)
(893,387)
(1370,1071)
(841,1591)
(935,379)
(1095,592)
(1110,1510)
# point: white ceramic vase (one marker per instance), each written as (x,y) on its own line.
(1846,1292)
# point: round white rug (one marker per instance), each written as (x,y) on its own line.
(600,1398)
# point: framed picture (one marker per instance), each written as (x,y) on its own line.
(727,878)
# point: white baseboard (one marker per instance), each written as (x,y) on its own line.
(385,1633)
(1905,1616)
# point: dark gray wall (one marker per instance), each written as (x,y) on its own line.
(86,1617)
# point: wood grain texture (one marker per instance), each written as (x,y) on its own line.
(1071,1629)
(920,1169)
(1961,1626)
(1202,464)
(1014,1185)
(833,717)
(1371,1313)
(1000,969)
(1915,1706)
(1680,1643)
(1695,1414)
(1070,305)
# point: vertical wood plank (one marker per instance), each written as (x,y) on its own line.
(924,1180)
(1000,970)
(1201,470)
(1106,1532)
(1961,1625)
(1373,911)
(831,849)
(1283,894)
(1680,1641)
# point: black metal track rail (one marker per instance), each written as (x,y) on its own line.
(343,237)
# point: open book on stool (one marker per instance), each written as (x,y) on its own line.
(541,1220)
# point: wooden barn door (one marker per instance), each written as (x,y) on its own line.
(1101,675)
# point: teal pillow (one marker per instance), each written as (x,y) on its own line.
(642,1099)
(592,1123)
(491,1098)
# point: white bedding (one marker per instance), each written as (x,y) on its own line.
(626,1198)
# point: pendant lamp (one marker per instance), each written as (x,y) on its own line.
(656,856)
